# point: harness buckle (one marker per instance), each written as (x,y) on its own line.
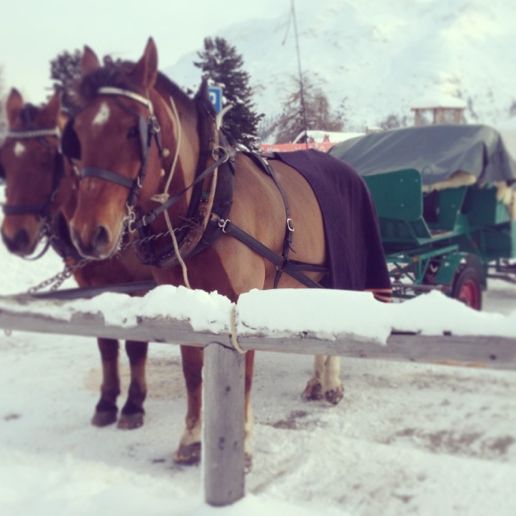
(223,224)
(154,125)
(130,218)
(220,153)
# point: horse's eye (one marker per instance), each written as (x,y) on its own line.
(132,132)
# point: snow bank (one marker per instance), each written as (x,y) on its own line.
(327,314)
(73,486)
(204,311)
(330,313)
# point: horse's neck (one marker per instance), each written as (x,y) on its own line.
(178,123)
(66,196)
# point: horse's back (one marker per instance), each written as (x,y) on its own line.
(355,254)
(258,208)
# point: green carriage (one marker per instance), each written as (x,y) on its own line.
(445,203)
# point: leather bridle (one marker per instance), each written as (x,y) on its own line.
(148,131)
(41,210)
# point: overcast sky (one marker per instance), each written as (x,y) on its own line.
(32,32)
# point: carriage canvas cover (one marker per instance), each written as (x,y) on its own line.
(437,151)
(353,245)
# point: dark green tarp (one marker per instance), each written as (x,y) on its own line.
(437,151)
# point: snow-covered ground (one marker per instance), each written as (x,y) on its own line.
(406,439)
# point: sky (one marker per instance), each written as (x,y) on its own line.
(32,32)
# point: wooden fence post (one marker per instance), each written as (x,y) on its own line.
(223,425)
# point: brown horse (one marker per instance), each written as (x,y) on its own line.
(155,163)
(40,191)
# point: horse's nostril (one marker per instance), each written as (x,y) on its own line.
(21,239)
(100,238)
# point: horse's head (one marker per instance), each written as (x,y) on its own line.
(32,166)
(116,136)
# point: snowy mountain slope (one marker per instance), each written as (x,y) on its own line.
(380,56)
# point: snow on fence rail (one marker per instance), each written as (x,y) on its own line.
(431,328)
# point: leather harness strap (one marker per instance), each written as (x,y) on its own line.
(292,268)
(289,225)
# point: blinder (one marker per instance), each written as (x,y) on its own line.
(70,144)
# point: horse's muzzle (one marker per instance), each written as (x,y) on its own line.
(97,245)
(19,244)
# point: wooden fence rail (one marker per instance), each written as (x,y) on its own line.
(223,433)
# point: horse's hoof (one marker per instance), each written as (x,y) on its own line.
(248,462)
(130,421)
(334,396)
(104,418)
(313,391)
(188,454)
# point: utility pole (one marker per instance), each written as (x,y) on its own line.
(300,72)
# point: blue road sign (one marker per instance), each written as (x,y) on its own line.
(215,93)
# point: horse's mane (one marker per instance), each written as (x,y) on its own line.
(118,75)
(115,74)
(165,84)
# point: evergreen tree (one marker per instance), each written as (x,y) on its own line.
(65,70)
(221,62)
(317,112)
(393,121)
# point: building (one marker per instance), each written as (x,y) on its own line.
(439,109)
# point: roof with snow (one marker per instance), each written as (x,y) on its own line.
(438,101)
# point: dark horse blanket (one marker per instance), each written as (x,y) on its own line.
(354,249)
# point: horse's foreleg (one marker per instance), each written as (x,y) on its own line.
(189,451)
(325,383)
(106,409)
(132,411)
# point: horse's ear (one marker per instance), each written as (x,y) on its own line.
(50,111)
(89,60)
(13,105)
(146,69)
(202,92)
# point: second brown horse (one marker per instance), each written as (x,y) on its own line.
(41,197)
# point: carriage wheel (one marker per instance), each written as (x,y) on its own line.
(467,287)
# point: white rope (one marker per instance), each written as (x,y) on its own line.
(165,195)
(178,143)
(234,331)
